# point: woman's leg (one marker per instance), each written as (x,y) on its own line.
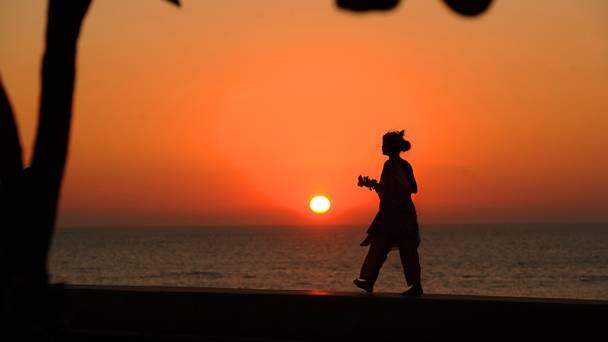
(410,260)
(376,255)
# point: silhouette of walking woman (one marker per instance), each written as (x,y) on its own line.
(395,224)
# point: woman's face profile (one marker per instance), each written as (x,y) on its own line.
(387,150)
(384,150)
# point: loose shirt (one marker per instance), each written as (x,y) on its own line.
(396,217)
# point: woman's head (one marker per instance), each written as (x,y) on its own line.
(393,143)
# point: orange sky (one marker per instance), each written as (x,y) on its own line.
(226,112)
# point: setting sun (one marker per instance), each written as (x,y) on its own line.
(319,204)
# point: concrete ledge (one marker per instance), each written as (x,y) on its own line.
(158,313)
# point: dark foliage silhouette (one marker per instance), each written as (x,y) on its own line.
(367,5)
(468,8)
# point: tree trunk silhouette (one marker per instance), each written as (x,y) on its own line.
(11,205)
(29,197)
(10,147)
(51,147)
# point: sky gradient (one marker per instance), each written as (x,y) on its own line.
(238,112)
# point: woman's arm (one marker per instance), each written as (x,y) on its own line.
(393,181)
(379,188)
(409,174)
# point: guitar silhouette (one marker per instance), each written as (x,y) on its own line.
(367,182)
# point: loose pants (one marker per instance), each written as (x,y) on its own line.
(378,251)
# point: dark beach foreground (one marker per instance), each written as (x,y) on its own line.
(105,313)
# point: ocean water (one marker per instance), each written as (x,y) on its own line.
(558,261)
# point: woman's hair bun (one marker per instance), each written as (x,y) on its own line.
(405,145)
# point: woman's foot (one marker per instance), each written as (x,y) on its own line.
(414,291)
(363,284)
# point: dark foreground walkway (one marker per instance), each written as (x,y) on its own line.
(192,314)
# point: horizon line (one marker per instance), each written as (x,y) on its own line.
(279,225)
